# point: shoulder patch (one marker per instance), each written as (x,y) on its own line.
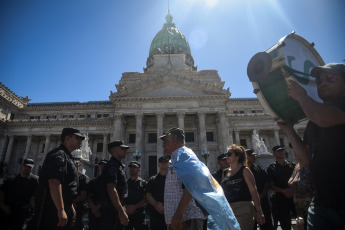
(59,160)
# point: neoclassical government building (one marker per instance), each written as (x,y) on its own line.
(170,92)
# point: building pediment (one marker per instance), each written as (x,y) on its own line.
(169,86)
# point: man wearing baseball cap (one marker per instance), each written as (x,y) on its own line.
(279,173)
(15,195)
(58,184)
(223,165)
(155,195)
(135,201)
(114,180)
(262,185)
(322,144)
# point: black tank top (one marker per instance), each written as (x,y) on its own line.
(235,187)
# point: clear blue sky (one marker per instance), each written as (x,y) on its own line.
(77,50)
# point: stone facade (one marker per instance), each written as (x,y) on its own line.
(169,93)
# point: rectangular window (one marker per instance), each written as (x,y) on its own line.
(106,115)
(242,112)
(209,136)
(189,136)
(99,147)
(81,116)
(71,116)
(152,138)
(243,142)
(131,138)
(65,116)
(88,116)
(253,111)
(99,115)
(235,112)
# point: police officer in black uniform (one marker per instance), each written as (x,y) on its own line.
(79,204)
(155,195)
(58,184)
(15,196)
(262,184)
(114,184)
(136,200)
(96,198)
(223,164)
(279,173)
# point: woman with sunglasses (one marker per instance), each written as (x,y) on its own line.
(240,189)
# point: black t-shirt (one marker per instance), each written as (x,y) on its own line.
(114,172)
(155,186)
(218,175)
(19,190)
(235,187)
(261,177)
(59,165)
(136,192)
(83,181)
(280,174)
(327,157)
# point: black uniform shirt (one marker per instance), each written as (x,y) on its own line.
(83,181)
(114,172)
(261,177)
(155,186)
(59,165)
(19,190)
(136,192)
(280,174)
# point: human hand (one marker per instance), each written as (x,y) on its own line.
(123,218)
(63,219)
(295,91)
(130,209)
(260,218)
(176,221)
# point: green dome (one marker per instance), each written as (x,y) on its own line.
(169,37)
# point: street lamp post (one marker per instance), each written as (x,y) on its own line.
(137,155)
(205,154)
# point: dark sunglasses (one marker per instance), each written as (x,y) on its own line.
(229,154)
(329,77)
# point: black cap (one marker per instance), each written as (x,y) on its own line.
(173,131)
(117,143)
(250,152)
(29,162)
(134,163)
(102,162)
(221,157)
(69,131)
(277,148)
(164,159)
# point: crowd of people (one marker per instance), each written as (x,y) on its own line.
(311,190)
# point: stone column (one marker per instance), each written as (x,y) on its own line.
(237,137)
(105,146)
(202,129)
(231,138)
(28,146)
(160,150)
(181,120)
(117,135)
(224,129)
(2,146)
(138,134)
(46,145)
(9,149)
(276,137)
